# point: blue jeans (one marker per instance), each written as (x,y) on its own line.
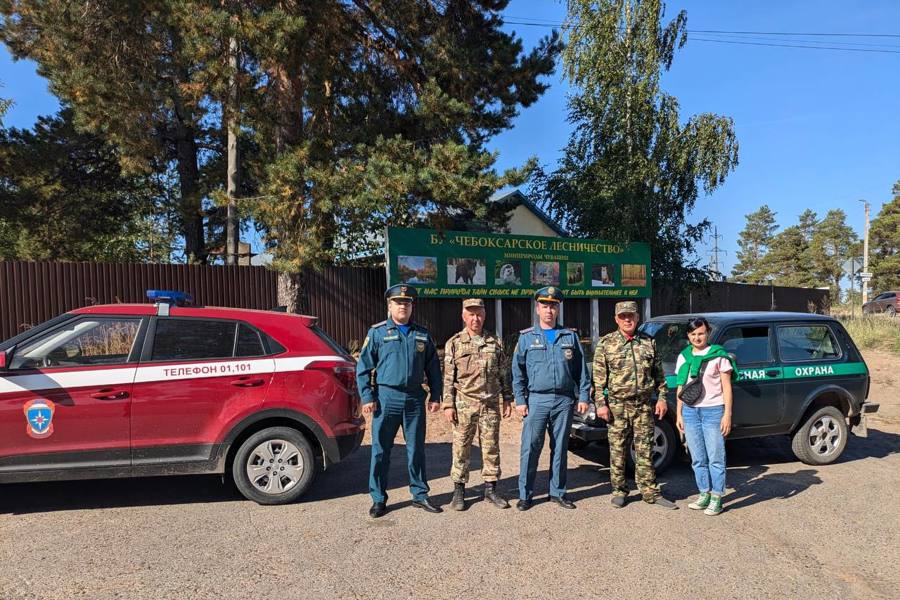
(707,446)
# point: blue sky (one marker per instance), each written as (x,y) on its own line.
(817,129)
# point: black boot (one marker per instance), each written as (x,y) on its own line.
(459,497)
(490,494)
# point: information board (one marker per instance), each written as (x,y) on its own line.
(454,264)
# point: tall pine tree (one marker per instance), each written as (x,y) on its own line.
(753,243)
(884,245)
(63,196)
(830,249)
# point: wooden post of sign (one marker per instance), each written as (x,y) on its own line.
(646,309)
(498,309)
(595,322)
(560,320)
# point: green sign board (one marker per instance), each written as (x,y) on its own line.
(453,264)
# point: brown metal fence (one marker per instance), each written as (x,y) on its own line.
(32,292)
(347,300)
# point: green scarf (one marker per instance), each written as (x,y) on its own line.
(692,363)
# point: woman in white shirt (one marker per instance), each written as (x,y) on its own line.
(706,421)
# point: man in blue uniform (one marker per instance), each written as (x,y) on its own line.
(549,375)
(402,355)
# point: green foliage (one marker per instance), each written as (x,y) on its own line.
(830,247)
(753,243)
(63,196)
(146,76)
(5,104)
(884,245)
(326,89)
(633,169)
(788,260)
(378,114)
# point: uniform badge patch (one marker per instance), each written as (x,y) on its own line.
(365,343)
(535,342)
(568,353)
(551,290)
(39,418)
(420,346)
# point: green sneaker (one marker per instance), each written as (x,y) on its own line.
(715,506)
(701,503)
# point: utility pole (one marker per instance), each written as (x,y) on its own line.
(865,282)
(714,264)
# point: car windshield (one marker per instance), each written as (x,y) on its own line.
(671,339)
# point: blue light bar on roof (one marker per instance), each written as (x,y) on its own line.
(169,297)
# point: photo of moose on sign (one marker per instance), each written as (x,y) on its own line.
(466,271)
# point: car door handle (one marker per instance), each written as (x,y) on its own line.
(109,394)
(247,382)
(772,373)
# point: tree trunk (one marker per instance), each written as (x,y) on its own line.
(191,212)
(292,293)
(232,230)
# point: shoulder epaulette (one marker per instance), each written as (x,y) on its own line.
(526,330)
(379,324)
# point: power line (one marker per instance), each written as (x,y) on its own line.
(802,44)
(811,34)
(549,23)
(698,39)
(788,40)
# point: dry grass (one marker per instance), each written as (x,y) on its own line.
(874,332)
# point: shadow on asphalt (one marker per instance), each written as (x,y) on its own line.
(747,473)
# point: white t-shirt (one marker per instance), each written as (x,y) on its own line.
(712,378)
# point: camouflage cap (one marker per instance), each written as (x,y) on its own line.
(473,303)
(626,306)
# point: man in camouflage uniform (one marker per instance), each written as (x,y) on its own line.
(627,370)
(476,380)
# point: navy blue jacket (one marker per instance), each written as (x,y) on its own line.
(539,367)
(400,362)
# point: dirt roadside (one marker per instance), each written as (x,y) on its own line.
(884,369)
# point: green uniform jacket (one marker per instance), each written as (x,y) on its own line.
(626,368)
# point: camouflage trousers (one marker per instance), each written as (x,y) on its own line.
(485,419)
(632,416)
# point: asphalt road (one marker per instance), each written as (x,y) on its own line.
(789,530)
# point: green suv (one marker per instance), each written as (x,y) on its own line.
(798,374)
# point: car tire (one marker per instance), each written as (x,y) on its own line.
(274,466)
(665,445)
(821,438)
(891,311)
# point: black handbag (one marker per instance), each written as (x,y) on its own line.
(693,390)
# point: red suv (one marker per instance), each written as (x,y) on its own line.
(130,390)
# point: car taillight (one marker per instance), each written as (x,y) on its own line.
(344,372)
